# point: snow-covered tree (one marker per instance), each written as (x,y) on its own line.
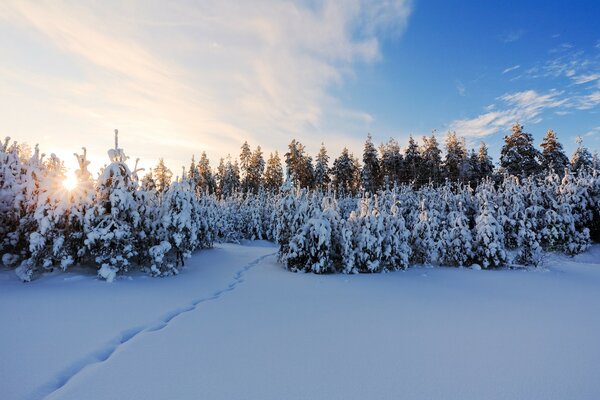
(432,160)
(322,178)
(581,157)
(391,163)
(518,156)
(344,173)
(412,162)
(456,239)
(456,162)
(273,173)
(553,156)
(489,239)
(162,176)
(113,220)
(371,173)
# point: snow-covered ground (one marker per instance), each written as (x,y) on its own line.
(235,325)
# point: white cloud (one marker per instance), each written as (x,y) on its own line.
(512,36)
(193,76)
(509,69)
(581,79)
(523,107)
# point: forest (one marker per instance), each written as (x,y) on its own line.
(395,208)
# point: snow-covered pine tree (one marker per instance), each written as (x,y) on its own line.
(368,236)
(47,243)
(456,162)
(26,202)
(581,158)
(425,235)
(432,160)
(310,248)
(371,173)
(518,156)
(456,239)
(113,220)
(273,173)
(245,157)
(553,157)
(322,178)
(299,165)
(10,187)
(286,218)
(162,176)
(412,162)
(396,250)
(344,171)
(256,168)
(489,239)
(391,163)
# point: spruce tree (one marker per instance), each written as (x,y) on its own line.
(344,173)
(207,182)
(456,162)
(162,176)
(113,221)
(553,156)
(299,165)
(256,168)
(518,156)
(273,173)
(371,173)
(322,178)
(245,157)
(412,162)
(432,160)
(391,163)
(581,157)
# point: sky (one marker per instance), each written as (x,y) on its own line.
(178,78)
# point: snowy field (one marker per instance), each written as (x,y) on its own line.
(235,325)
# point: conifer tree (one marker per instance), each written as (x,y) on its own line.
(322,178)
(299,165)
(371,173)
(391,163)
(489,238)
(206,180)
(273,173)
(344,173)
(162,176)
(112,222)
(553,156)
(518,155)
(456,163)
(432,160)
(581,157)
(256,168)
(245,159)
(412,161)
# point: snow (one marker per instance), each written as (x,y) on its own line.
(234,324)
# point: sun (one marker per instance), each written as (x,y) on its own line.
(70,181)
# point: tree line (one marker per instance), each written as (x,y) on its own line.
(383,166)
(414,204)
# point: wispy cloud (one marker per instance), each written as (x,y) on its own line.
(523,107)
(593,132)
(460,88)
(200,76)
(512,35)
(509,69)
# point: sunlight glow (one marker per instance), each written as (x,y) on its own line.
(70,181)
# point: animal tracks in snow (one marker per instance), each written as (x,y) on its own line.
(103,354)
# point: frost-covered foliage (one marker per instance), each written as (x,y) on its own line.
(118,222)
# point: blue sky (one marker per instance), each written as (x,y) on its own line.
(184,77)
